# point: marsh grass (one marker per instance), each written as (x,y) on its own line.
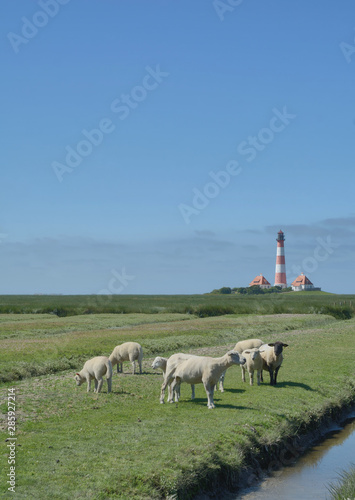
(345,487)
(204,305)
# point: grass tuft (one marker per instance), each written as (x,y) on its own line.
(345,487)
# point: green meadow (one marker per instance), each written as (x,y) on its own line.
(201,305)
(127,445)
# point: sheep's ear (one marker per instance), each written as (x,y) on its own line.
(284,345)
(247,352)
(78,374)
(272,344)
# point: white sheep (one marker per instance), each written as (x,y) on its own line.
(272,358)
(170,368)
(128,351)
(160,362)
(241,346)
(254,362)
(205,370)
(95,368)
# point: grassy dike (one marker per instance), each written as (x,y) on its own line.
(71,444)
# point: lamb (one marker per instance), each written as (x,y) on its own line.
(241,346)
(272,358)
(160,362)
(205,370)
(95,368)
(128,351)
(171,366)
(254,362)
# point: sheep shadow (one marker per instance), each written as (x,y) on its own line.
(293,384)
(233,391)
(218,403)
(120,392)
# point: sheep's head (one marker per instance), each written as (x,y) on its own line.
(236,358)
(278,346)
(253,353)
(78,379)
(157,363)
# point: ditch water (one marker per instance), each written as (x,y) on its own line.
(309,476)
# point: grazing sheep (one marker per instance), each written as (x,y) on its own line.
(205,370)
(128,351)
(254,362)
(272,358)
(240,346)
(95,368)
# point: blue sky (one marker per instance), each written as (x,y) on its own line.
(158,147)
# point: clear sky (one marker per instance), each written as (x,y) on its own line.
(159,146)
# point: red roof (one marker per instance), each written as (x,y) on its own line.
(259,280)
(301,280)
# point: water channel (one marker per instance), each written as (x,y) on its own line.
(309,476)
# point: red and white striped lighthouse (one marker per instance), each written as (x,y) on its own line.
(280,271)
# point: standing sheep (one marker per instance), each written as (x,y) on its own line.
(241,346)
(95,368)
(254,362)
(272,358)
(128,351)
(171,365)
(205,370)
(160,362)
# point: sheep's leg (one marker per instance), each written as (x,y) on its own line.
(99,384)
(140,366)
(271,376)
(167,381)
(258,376)
(118,368)
(88,385)
(243,372)
(192,391)
(176,393)
(170,393)
(176,388)
(134,367)
(261,376)
(95,390)
(209,391)
(109,384)
(162,392)
(251,377)
(221,382)
(276,372)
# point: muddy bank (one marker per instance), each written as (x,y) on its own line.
(272,457)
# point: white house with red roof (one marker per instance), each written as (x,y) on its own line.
(302,283)
(260,281)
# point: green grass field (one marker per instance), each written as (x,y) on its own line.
(71,444)
(207,304)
